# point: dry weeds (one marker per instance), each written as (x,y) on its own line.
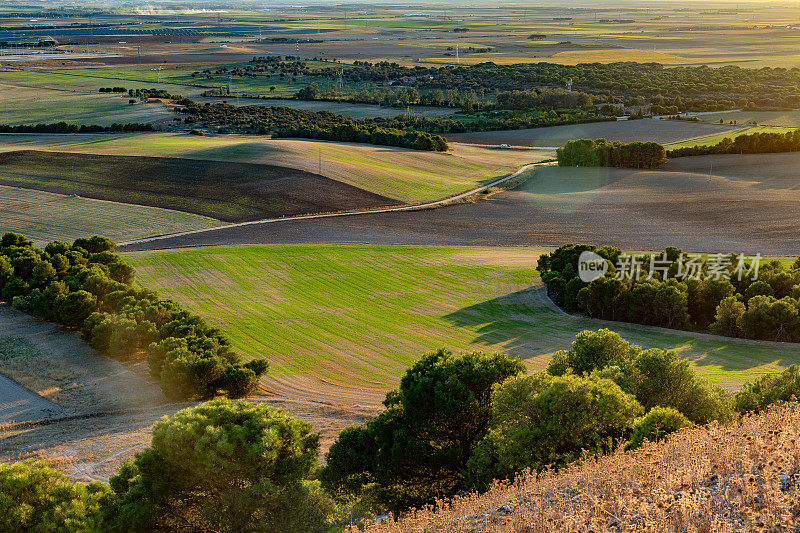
(742,477)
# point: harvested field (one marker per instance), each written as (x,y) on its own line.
(656,130)
(406,175)
(46,217)
(228,191)
(751,204)
(341,324)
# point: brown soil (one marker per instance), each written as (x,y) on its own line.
(228,191)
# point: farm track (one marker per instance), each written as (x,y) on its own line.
(749,204)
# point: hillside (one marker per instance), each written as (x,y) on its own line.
(229,191)
(741,477)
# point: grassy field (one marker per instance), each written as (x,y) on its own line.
(346,321)
(33,105)
(46,217)
(232,192)
(711,140)
(406,175)
(786,118)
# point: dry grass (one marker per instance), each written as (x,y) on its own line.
(742,477)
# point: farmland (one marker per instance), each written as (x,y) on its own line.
(711,140)
(662,131)
(404,175)
(46,217)
(343,322)
(232,192)
(748,204)
(230,238)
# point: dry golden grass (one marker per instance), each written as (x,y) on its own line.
(742,477)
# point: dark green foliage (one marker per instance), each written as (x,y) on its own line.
(656,425)
(86,285)
(222,466)
(752,143)
(655,377)
(418,448)
(602,153)
(778,387)
(722,294)
(288,122)
(540,421)
(63,127)
(36,498)
(662,378)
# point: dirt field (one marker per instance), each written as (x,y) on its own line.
(662,131)
(751,204)
(227,191)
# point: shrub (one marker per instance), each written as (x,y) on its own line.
(760,393)
(656,425)
(419,447)
(662,378)
(593,350)
(34,497)
(222,466)
(540,421)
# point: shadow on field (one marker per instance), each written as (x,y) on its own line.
(521,322)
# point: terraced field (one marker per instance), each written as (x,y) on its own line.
(342,323)
(45,217)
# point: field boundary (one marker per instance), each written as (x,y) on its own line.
(413,207)
(645,327)
(701,137)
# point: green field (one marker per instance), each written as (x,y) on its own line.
(786,118)
(403,174)
(339,320)
(46,217)
(711,140)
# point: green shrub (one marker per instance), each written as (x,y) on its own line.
(593,350)
(419,447)
(222,466)
(36,498)
(758,394)
(540,421)
(656,425)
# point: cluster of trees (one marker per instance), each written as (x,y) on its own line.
(153,93)
(220,466)
(603,153)
(762,303)
(456,422)
(112,89)
(288,122)
(372,134)
(63,127)
(753,143)
(459,422)
(546,98)
(85,285)
(700,88)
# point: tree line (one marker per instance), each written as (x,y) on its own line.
(85,286)
(689,88)
(603,153)
(748,143)
(726,295)
(372,134)
(456,422)
(63,127)
(285,121)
